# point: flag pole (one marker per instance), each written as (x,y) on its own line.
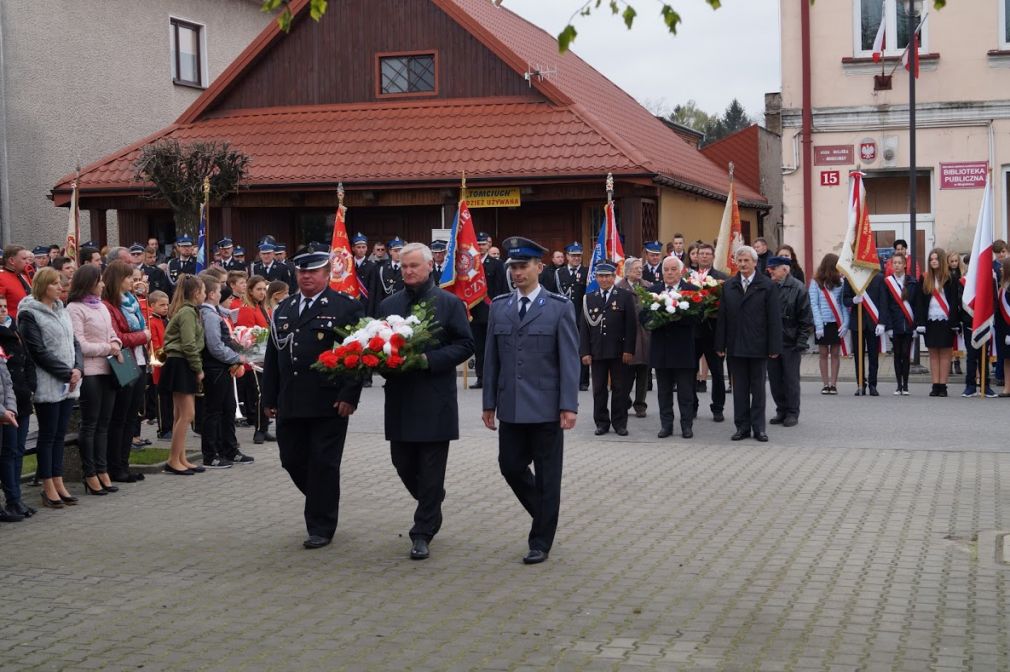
(206,225)
(859,382)
(455,246)
(983,366)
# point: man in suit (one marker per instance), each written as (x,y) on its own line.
(531,369)
(570,281)
(749,332)
(608,331)
(705,342)
(797,328)
(185,263)
(671,354)
(312,410)
(386,278)
(268,266)
(156,278)
(497,285)
(422,414)
(227,260)
(873,302)
(438,251)
(362,264)
(679,250)
(652,265)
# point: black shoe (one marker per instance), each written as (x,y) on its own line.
(790,421)
(621,432)
(136,476)
(534,557)
(69,501)
(11,515)
(761,436)
(477,384)
(717,416)
(269,437)
(942,390)
(177,472)
(22,508)
(51,503)
(128,478)
(861,393)
(110,488)
(583,388)
(600,431)
(873,391)
(957,367)
(419,550)
(101,491)
(242,459)
(640,413)
(935,391)
(315,541)
(777,420)
(740,435)
(663,433)
(217,463)
(686,431)
(702,386)
(259,437)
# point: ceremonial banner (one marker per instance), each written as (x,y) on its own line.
(858,260)
(978,297)
(463,272)
(730,234)
(608,247)
(343,272)
(201,236)
(73,226)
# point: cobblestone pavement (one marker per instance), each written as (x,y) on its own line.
(863,539)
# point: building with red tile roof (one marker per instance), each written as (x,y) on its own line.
(395,99)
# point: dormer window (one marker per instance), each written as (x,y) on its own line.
(408,74)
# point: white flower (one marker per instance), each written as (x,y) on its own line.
(670,308)
(387,348)
(413,319)
(683,305)
(385,333)
(654,306)
(404,331)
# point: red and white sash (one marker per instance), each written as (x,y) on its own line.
(1004,306)
(941,301)
(836,310)
(906,307)
(871,308)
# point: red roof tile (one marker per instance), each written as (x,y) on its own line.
(742,149)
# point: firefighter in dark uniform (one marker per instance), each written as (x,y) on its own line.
(281,257)
(185,263)
(239,256)
(228,261)
(497,284)
(652,265)
(156,278)
(438,250)
(362,264)
(608,331)
(311,409)
(267,266)
(570,281)
(386,277)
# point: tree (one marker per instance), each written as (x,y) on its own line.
(622,8)
(178,171)
(690,115)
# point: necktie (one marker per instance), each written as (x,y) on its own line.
(306,304)
(438,271)
(669,288)
(746,284)
(524,304)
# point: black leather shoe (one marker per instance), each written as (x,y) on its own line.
(583,388)
(259,437)
(100,491)
(69,501)
(740,436)
(686,431)
(663,433)
(621,432)
(477,384)
(110,488)
(790,421)
(128,478)
(316,542)
(10,515)
(136,476)
(873,392)
(419,551)
(51,503)
(762,437)
(600,431)
(177,472)
(534,557)
(717,416)
(777,420)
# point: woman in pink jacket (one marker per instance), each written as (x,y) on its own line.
(93,329)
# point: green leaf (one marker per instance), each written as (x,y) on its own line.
(629,16)
(317,9)
(566,37)
(270,5)
(284,20)
(670,18)
(614,9)
(716,4)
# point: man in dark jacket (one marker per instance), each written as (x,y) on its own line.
(422,413)
(797,326)
(497,285)
(749,332)
(570,281)
(874,326)
(671,354)
(608,330)
(704,345)
(12,446)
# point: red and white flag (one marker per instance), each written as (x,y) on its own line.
(977,298)
(880,41)
(730,233)
(858,260)
(912,54)
(73,225)
(343,272)
(463,271)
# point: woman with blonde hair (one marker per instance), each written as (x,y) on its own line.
(831,321)
(252,312)
(938,316)
(182,371)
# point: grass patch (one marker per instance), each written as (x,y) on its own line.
(149,455)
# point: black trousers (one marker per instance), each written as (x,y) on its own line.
(871,356)
(902,344)
(479,343)
(311,450)
(706,348)
(150,398)
(748,374)
(421,467)
(98,395)
(124,411)
(784,380)
(217,436)
(684,379)
(619,377)
(166,411)
(539,491)
(640,376)
(249,393)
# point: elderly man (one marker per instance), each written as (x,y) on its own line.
(705,342)
(749,332)
(671,354)
(422,413)
(797,327)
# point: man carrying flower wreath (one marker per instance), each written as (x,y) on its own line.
(421,412)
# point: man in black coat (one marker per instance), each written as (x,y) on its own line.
(748,332)
(268,267)
(570,281)
(652,264)
(385,279)
(185,263)
(494,275)
(422,414)
(671,354)
(873,303)
(312,410)
(281,257)
(797,327)
(705,342)
(362,264)
(438,252)
(226,247)
(608,330)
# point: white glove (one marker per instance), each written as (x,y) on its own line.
(857,299)
(1006,340)
(890,333)
(879,330)
(920,330)
(820,334)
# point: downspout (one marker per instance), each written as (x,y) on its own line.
(808,141)
(5,207)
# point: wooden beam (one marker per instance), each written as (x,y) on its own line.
(99,227)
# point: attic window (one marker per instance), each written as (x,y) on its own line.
(188,48)
(406,74)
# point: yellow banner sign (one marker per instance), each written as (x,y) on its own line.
(492,197)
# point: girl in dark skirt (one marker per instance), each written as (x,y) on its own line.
(183,370)
(938,315)
(831,321)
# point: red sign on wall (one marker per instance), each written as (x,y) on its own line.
(833,155)
(965,175)
(868,151)
(830,178)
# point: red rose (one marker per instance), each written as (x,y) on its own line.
(697,299)
(376,343)
(340,352)
(330,359)
(371,361)
(397,341)
(394,361)
(354,347)
(351,361)
(704,292)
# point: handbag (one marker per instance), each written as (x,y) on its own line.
(126,372)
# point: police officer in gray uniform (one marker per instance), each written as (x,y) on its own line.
(531,379)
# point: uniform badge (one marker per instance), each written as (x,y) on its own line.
(614,305)
(319,335)
(285,326)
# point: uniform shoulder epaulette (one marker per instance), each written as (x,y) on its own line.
(501,296)
(557,297)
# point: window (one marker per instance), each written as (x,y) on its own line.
(187,53)
(407,74)
(1004,24)
(868,14)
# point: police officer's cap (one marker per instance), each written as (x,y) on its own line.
(92,244)
(519,249)
(225,243)
(484,237)
(239,251)
(136,248)
(184,240)
(574,248)
(439,246)
(280,247)
(309,259)
(395,243)
(41,250)
(359,237)
(605,268)
(267,246)
(266,239)
(779,261)
(654,246)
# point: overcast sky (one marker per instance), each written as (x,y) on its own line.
(717,55)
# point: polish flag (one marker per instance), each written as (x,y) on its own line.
(912,54)
(880,41)
(977,298)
